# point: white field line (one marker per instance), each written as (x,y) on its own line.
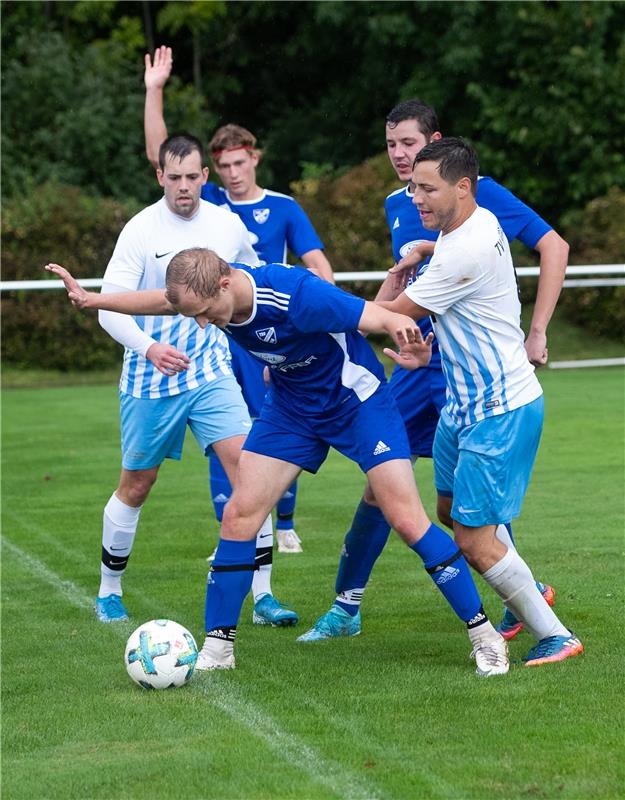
(44,536)
(333,776)
(68,589)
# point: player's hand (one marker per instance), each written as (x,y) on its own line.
(167,359)
(158,71)
(78,296)
(406,268)
(414,350)
(536,349)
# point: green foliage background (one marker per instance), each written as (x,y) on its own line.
(536,86)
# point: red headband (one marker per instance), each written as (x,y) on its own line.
(217,153)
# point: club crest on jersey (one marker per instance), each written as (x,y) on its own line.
(270,358)
(409,247)
(267,335)
(261,215)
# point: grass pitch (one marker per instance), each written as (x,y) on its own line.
(394,713)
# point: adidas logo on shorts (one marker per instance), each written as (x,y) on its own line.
(381,448)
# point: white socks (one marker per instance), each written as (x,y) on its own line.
(513,581)
(118,534)
(503,535)
(261,582)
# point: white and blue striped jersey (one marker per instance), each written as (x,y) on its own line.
(306,331)
(517,220)
(276,222)
(470,287)
(144,249)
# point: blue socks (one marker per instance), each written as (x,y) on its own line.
(229,581)
(286,509)
(451,574)
(219,485)
(363,544)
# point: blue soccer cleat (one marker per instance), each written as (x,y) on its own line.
(510,625)
(110,609)
(554,648)
(268,611)
(334,623)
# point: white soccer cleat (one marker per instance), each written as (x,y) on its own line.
(289,542)
(216,654)
(491,656)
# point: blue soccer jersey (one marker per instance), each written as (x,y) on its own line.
(306,331)
(275,222)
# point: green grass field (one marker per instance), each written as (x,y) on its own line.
(395,713)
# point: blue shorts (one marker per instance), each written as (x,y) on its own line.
(486,466)
(154,429)
(420,396)
(368,433)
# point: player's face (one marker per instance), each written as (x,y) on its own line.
(436,200)
(403,142)
(217,310)
(237,170)
(182,179)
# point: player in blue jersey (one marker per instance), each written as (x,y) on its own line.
(327,390)
(276,223)
(173,375)
(420,395)
(489,430)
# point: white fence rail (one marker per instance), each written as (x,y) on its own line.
(591,270)
(350,277)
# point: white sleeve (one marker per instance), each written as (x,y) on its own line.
(450,276)
(123,273)
(247,254)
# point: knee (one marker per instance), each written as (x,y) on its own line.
(468,544)
(236,523)
(135,488)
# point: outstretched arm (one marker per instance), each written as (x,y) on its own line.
(399,275)
(151,302)
(414,351)
(554,252)
(156,75)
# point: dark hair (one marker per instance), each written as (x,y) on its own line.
(456,159)
(196,269)
(180,145)
(414,109)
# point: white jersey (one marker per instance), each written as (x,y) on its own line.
(144,249)
(470,288)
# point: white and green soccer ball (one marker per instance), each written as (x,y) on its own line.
(160,654)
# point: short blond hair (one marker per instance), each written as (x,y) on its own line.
(198,270)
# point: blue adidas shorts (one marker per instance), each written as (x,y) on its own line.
(486,466)
(420,396)
(368,433)
(153,430)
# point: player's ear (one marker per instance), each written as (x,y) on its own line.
(464,187)
(160,176)
(205,173)
(436,136)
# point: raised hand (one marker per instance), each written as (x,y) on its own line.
(78,296)
(158,71)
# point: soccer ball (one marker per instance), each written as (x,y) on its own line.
(160,654)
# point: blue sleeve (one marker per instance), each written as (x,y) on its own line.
(213,194)
(301,236)
(319,307)
(517,220)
